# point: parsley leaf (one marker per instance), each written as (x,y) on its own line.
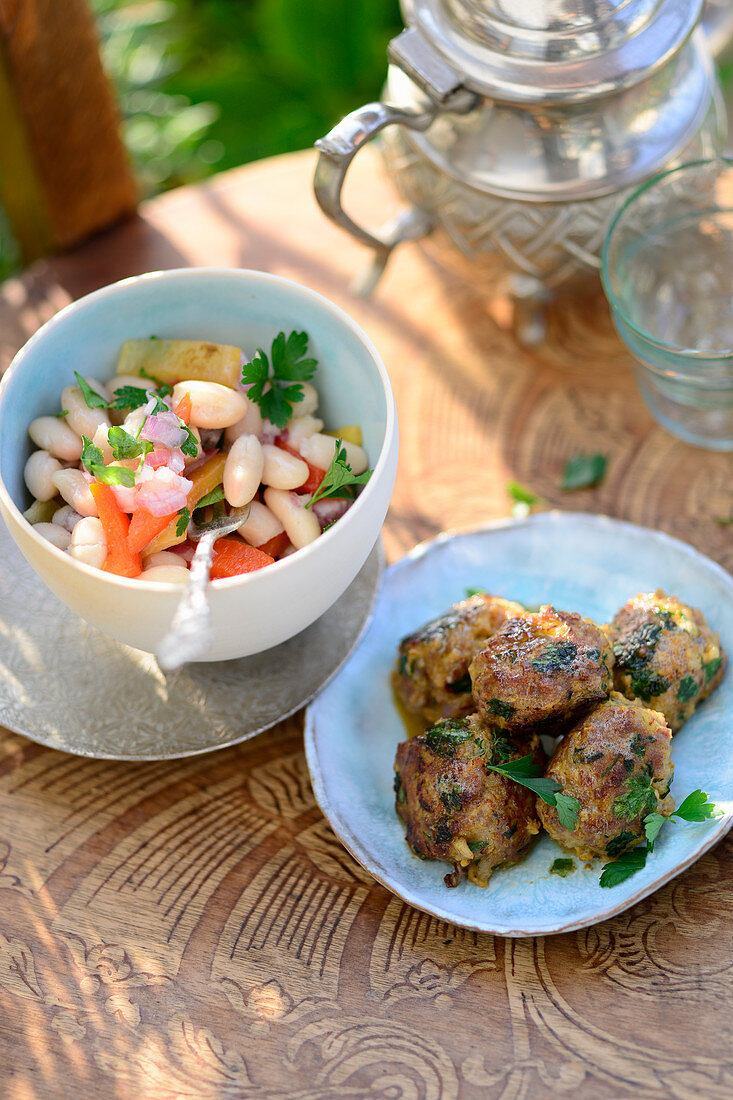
(525,772)
(129,397)
(277,403)
(568,809)
(213,497)
(583,471)
(288,365)
(288,360)
(688,689)
(182,522)
(93,399)
(114,475)
(125,445)
(652,824)
(697,808)
(64,412)
(711,667)
(255,375)
(624,867)
(190,445)
(90,455)
(475,592)
(562,867)
(521,495)
(339,475)
(638,798)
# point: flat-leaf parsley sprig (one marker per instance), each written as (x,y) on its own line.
(525,772)
(695,807)
(288,367)
(339,477)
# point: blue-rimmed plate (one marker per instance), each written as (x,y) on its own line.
(591,564)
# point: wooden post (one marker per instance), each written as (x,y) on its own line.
(64,171)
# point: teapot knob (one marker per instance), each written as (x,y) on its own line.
(443,91)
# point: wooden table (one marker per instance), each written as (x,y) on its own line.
(194,929)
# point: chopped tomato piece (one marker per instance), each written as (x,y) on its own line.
(116,524)
(276,546)
(143,529)
(315,473)
(183,408)
(233,557)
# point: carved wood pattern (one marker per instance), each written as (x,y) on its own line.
(193,928)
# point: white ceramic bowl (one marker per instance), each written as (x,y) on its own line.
(245,308)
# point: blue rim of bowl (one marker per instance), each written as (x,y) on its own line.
(391,427)
(722,161)
(371,862)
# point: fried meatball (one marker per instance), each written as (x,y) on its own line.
(454,807)
(431,677)
(617,763)
(666,655)
(541,669)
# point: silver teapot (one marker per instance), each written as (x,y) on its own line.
(518,127)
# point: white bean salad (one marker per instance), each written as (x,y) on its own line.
(187,427)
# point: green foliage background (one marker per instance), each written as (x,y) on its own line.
(208,84)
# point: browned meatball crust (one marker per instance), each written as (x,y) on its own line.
(541,670)
(454,807)
(431,677)
(666,655)
(617,763)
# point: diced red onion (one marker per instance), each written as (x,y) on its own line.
(328,511)
(164,428)
(164,456)
(161,491)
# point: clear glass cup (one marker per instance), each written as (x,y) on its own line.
(667,271)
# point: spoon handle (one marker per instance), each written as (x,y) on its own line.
(190,632)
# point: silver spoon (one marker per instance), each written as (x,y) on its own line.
(190,632)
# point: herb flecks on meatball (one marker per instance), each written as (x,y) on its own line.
(541,669)
(666,655)
(431,676)
(454,807)
(617,763)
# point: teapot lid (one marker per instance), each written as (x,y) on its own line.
(547,51)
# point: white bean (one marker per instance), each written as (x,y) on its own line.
(301,526)
(53,435)
(243,470)
(319,449)
(82,419)
(39,474)
(250,424)
(282,470)
(302,427)
(74,488)
(171,573)
(66,517)
(260,526)
(212,405)
(101,439)
(54,534)
(89,542)
(309,404)
(167,558)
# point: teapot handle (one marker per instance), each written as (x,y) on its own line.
(337,150)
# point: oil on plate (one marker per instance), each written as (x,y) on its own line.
(586,563)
